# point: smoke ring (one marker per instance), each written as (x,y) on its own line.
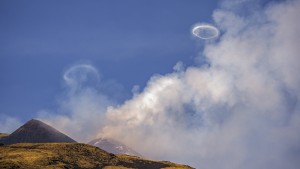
(205,31)
(78,74)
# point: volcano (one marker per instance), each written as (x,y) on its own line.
(35,131)
(113,146)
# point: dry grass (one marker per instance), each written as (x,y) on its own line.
(71,155)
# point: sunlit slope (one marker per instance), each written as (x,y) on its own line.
(71,155)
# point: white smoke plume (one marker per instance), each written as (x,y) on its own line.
(239,111)
(81,108)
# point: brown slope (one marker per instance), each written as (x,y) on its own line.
(72,155)
(35,131)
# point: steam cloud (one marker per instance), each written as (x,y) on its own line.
(239,111)
(82,107)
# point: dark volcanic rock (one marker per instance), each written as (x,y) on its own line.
(113,146)
(35,131)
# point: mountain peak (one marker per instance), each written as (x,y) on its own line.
(36,131)
(34,121)
(113,146)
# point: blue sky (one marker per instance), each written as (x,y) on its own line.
(128,41)
(73,64)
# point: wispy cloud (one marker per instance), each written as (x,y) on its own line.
(81,108)
(8,123)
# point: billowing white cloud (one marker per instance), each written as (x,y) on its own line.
(241,110)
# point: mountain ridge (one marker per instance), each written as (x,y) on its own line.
(73,155)
(38,145)
(113,146)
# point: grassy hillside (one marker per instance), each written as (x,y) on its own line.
(71,155)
